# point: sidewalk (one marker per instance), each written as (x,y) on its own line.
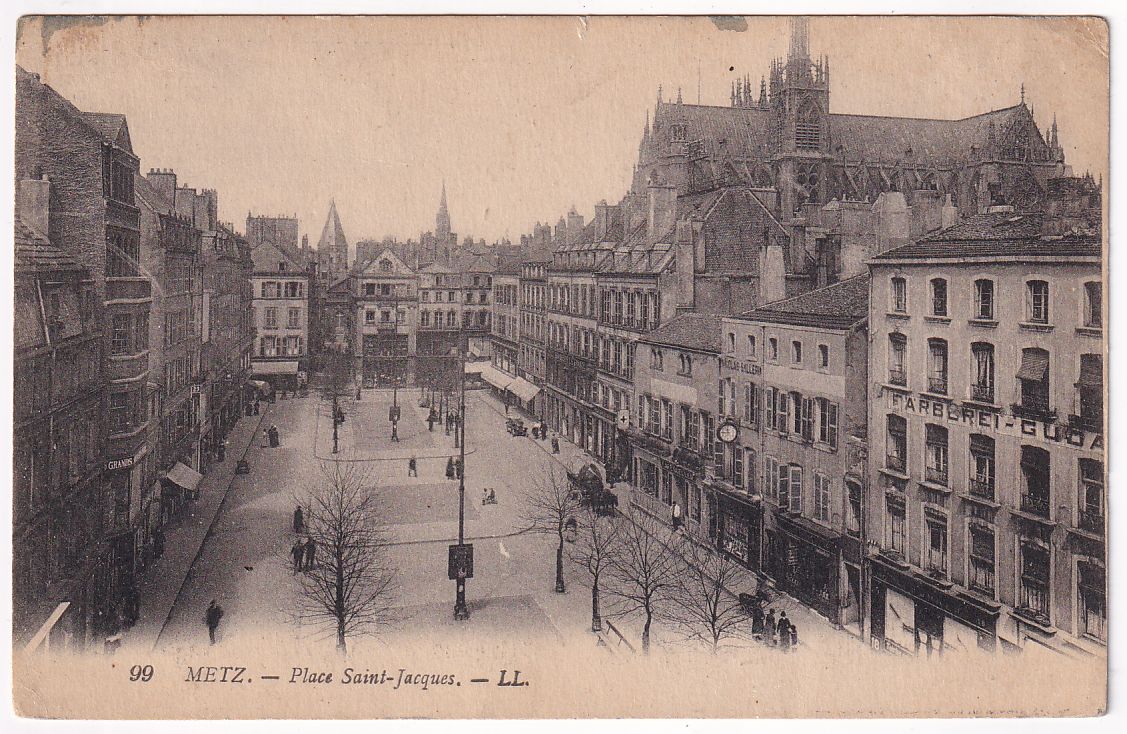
(816,633)
(184,537)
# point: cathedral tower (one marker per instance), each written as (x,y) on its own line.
(442,219)
(800,128)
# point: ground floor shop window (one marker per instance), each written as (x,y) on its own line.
(735,537)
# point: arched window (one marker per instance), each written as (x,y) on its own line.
(808,126)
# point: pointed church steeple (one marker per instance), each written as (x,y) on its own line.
(332,248)
(442,219)
(799,38)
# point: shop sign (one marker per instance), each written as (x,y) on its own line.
(991,421)
(740,365)
(115,464)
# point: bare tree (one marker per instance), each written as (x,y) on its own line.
(549,503)
(644,571)
(701,606)
(596,544)
(350,586)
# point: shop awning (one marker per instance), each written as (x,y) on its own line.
(1091,371)
(523,389)
(184,476)
(496,377)
(475,368)
(274,368)
(1034,365)
(260,385)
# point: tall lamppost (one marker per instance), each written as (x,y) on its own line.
(461,611)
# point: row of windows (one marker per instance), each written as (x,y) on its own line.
(694,428)
(808,418)
(270,318)
(469,320)
(281,346)
(505,295)
(286,289)
(1034,566)
(796,354)
(1037,301)
(1032,377)
(658,483)
(633,309)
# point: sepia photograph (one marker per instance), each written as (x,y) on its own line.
(559,367)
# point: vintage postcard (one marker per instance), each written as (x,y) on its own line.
(554,367)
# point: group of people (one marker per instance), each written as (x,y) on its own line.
(271,436)
(453,468)
(488,496)
(304,551)
(779,632)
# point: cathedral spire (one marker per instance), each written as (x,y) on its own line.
(442,218)
(678,95)
(799,38)
(1023,92)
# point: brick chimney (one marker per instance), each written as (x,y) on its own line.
(601,220)
(890,211)
(662,210)
(34,204)
(164,181)
(574,226)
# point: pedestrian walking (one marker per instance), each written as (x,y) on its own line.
(266,437)
(395,432)
(412,467)
(757,620)
(256,407)
(678,521)
(298,552)
(769,630)
(555,445)
(450,468)
(298,520)
(310,554)
(457,468)
(430,421)
(793,636)
(782,630)
(211,619)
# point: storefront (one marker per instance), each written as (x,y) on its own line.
(912,614)
(524,392)
(282,376)
(179,486)
(807,563)
(736,526)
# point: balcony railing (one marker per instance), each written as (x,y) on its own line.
(934,475)
(985,393)
(897,377)
(981,489)
(1091,521)
(896,463)
(937,385)
(1035,504)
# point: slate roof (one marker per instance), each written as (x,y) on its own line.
(36,254)
(744,132)
(997,234)
(837,306)
(697,331)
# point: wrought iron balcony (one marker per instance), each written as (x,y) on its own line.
(1035,504)
(895,462)
(937,385)
(981,489)
(984,393)
(935,475)
(1092,521)
(897,377)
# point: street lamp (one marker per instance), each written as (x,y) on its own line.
(461,611)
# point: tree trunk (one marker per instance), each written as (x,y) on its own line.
(341,646)
(596,618)
(646,633)
(560,588)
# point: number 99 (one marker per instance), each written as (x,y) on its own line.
(143,673)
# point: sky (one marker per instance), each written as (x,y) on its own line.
(522,118)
